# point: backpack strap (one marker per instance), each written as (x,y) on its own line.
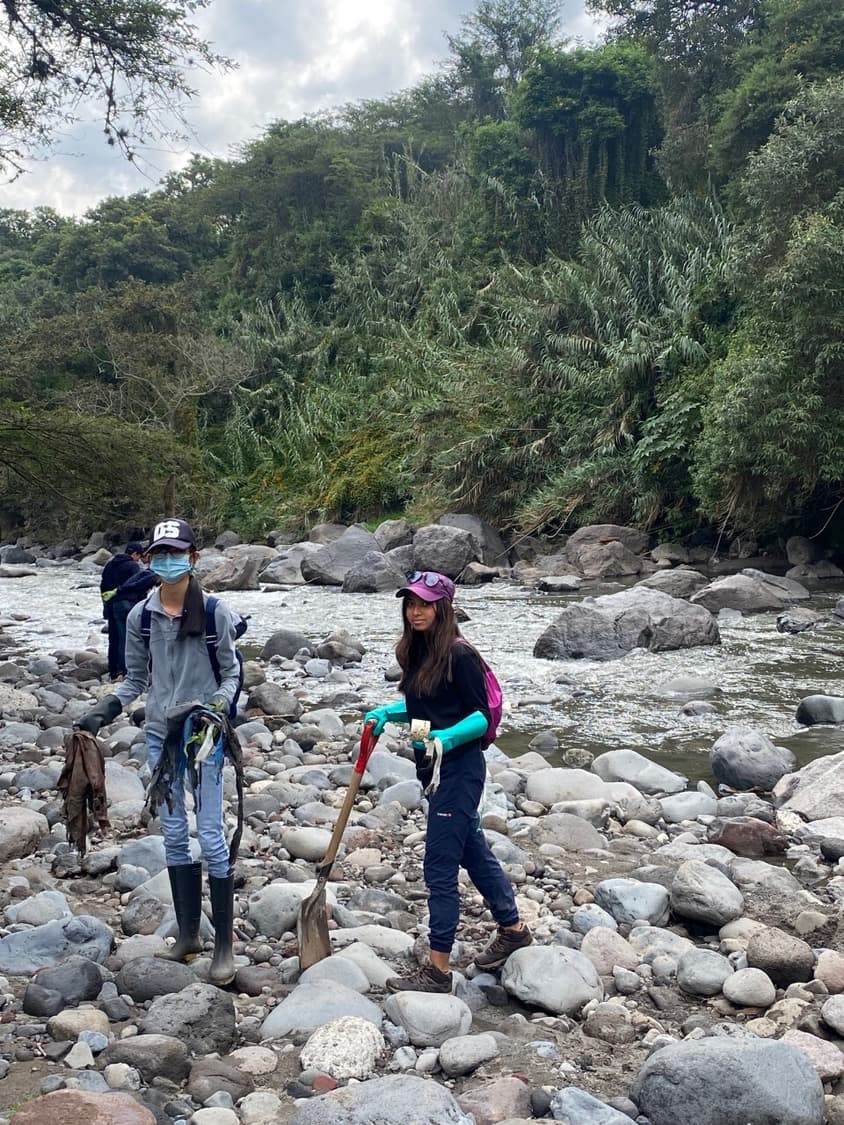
(211,638)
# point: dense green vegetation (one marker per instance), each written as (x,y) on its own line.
(550,285)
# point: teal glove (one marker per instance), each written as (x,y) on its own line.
(467,730)
(395,712)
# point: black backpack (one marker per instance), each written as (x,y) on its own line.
(241,624)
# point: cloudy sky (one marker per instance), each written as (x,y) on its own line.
(293,58)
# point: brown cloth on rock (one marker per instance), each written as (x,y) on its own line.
(82,785)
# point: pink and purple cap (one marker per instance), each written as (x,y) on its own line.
(429,585)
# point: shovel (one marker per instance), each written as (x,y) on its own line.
(312,924)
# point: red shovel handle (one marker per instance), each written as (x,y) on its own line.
(367,744)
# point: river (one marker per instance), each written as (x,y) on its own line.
(759,674)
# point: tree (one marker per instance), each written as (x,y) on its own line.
(127,56)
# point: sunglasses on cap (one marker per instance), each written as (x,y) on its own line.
(428,578)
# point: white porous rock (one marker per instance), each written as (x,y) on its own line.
(263,1107)
(344,1048)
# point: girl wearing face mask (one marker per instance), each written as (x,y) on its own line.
(173,666)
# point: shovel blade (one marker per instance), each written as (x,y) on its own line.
(312,929)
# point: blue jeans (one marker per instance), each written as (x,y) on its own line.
(455,839)
(208,803)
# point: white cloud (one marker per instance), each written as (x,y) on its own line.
(293,59)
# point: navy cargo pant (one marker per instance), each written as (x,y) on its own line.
(454,840)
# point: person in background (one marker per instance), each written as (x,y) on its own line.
(443,683)
(126,597)
(118,570)
(174,666)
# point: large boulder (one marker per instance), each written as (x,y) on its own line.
(234,574)
(492,546)
(27,951)
(393,533)
(816,792)
(703,894)
(447,550)
(552,977)
(284,643)
(68,1107)
(744,758)
(814,709)
(200,1016)
(729,1081)
(742,592)
(631,538)
(611,625)
(375,573)
(637,770)
(330,565)
(286,570)
(21,830)
(603,560)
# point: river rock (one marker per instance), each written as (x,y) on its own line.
(284,643)
(797,620)
(213,1076)
(75,979)
(273,699)
(309,1006)
(286,570)
(607,950)
(274,908)
(608,626)
(551,977)
(69,1107)
(444,549)
(152,1056)
(820,709)
(396,1099)
(329,565)
(824,1056)
(815,792)
(687,806)
(744,758)
(677,583)
(603,560)
(240,573)
(503,1100)
(27,951)
(343,970)
(747,836)
(21,831)
(200,1015)
(784,958)
(629,900)
(574,1106)
(729,1081)
(634,768)
(740,592)
(428,1019)
(750,988)
(562,830)
(345,1048)
(393,533)
(144,978)
(464,1053)
(375,573)
(493,552)
(702,972)
(702,893)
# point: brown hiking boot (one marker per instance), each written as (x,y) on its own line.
(502,945)
(427,979)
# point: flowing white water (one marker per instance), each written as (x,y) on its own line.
(760,674)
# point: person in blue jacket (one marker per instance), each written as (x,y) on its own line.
(443,684)
(173,666)
(118,570)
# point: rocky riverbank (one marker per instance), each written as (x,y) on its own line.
(687,965)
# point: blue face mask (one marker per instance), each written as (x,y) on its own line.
(170,568)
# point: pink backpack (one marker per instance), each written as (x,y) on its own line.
(494,699)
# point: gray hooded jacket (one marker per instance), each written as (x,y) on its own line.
(181,670)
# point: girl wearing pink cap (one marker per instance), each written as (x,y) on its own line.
(443,684)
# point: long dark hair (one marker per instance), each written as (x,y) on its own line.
(425,658)
(193,613)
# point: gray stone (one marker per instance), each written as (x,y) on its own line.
(375,573)
(574,1106)
(75,979)
(284,643)
(428,1018)
(784,958)
(688,806)
(27,951)
(464,1053)
(629,900)
(273,699)
(393,533)
(144,978)
(21,831)
(608,626)
(820,709)
(702,972)
(741,592)
(274,908)
(330,565)
(447,550)
(551,977)
(493,550)
(153,1056)
(396,1099)
(702,893)
(729,1081)
(200,1015)
(677,583)
(750,988)
(744,758)
(636,769)
(311,1005)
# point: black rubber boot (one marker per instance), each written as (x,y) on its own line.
(222,915)
(186,884)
